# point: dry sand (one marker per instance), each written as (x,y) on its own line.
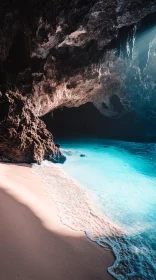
(34,244)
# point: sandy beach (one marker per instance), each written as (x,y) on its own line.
(34,244)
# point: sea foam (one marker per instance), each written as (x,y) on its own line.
(75,205)
(120,178)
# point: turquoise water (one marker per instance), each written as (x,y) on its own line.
(122,178)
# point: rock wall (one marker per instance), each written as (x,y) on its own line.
(23,136)
(63,53)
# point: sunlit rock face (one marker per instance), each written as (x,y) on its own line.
(128,72)
(85,65)
(66,53)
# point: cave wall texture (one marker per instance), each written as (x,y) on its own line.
(67,53)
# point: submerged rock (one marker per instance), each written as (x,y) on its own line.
(82,155)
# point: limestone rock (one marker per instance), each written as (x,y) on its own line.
(23,136)
(63,53)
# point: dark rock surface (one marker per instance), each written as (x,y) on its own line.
(66,53)
(86,121)
(23,136)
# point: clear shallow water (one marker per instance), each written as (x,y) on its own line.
(122,177)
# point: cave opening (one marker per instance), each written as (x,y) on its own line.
(116,103)
(86,121)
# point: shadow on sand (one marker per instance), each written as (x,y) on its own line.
(30,251)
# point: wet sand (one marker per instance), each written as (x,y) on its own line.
(34,244)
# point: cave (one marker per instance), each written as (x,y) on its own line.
(85,74)
(86,121)
(78,139)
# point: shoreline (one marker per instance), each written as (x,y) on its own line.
(75,204)
(35,243)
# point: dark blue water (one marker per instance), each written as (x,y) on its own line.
(122,177)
